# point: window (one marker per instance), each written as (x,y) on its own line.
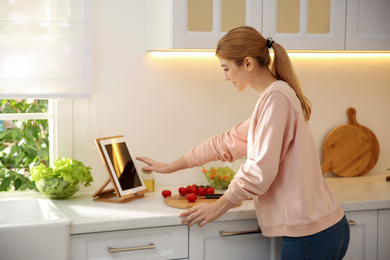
(45,63)
(24,140)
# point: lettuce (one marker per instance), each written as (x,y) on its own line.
(63,180)
(67,169)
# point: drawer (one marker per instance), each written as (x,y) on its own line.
(150,243)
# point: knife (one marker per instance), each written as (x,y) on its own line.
(213,196)
(207,196)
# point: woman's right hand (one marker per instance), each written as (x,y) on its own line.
(153,165)
(160,167)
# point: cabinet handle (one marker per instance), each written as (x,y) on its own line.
(352,222)
(226,234)
(125,249)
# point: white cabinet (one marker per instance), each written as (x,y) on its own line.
(328,24)
(368,25)
(383,234)
(151,243)
(301,25)
(196,24)
(229,240)
(363,243)
(295,24)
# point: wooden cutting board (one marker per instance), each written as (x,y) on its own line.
(351,113)
(346,151)
(181,202)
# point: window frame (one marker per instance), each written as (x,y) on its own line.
(60,116)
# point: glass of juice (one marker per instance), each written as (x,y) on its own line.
(148,179)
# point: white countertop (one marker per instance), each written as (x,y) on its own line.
(151,211)
(367,192)
(370,191)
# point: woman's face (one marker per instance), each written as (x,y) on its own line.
(238,75)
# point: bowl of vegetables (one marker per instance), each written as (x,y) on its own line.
(220,174)
(62,180)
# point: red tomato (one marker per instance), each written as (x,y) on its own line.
(192,189)
(191,197)
(182,191)
(210,190)
(201,191)
(188,188)
(166,193)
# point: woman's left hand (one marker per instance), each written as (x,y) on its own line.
(205,213)
(202,214)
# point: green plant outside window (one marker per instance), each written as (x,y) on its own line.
(23,143)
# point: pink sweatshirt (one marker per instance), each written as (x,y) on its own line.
(282,172)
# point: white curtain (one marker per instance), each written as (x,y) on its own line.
(45,49)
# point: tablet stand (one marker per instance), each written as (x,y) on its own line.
(111,195)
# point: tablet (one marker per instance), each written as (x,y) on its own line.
(120,165)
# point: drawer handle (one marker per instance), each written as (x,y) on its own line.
(352,223)
(226,234)
(125,249)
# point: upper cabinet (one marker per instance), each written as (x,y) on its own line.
(368,25)
(305,24)
(196,24)
(295,24)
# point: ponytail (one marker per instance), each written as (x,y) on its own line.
(245,41)
(282,69)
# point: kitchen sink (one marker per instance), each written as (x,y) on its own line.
(33,228)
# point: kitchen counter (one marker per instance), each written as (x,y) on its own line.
(370,191)
(366,192)
(151,211)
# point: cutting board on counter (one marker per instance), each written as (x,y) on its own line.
(351,113)
(349,150)
(181,202)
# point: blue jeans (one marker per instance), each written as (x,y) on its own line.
(331,243)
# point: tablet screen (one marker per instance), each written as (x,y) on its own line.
(121,165)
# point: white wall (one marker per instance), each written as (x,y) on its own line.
(165,106)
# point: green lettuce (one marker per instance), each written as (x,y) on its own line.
(63,180)
(72,171)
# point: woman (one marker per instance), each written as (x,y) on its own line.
(282,172)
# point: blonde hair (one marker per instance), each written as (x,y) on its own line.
(245,41)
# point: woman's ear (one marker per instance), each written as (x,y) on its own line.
(249,63)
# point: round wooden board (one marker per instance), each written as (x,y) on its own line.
(351,113)
(346,151)
(181,202)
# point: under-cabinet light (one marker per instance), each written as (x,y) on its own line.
(299,54)
(183,54)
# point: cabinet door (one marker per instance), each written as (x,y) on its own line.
(383,234)
(137,244)
(196,24)
(363,243)
(305,24)
(224,240)
(368,25)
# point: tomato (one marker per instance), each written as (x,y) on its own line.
(188,188)
(201,191)
(182,191)
(210,190)
(192,189)
(191,197)
(166,193)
